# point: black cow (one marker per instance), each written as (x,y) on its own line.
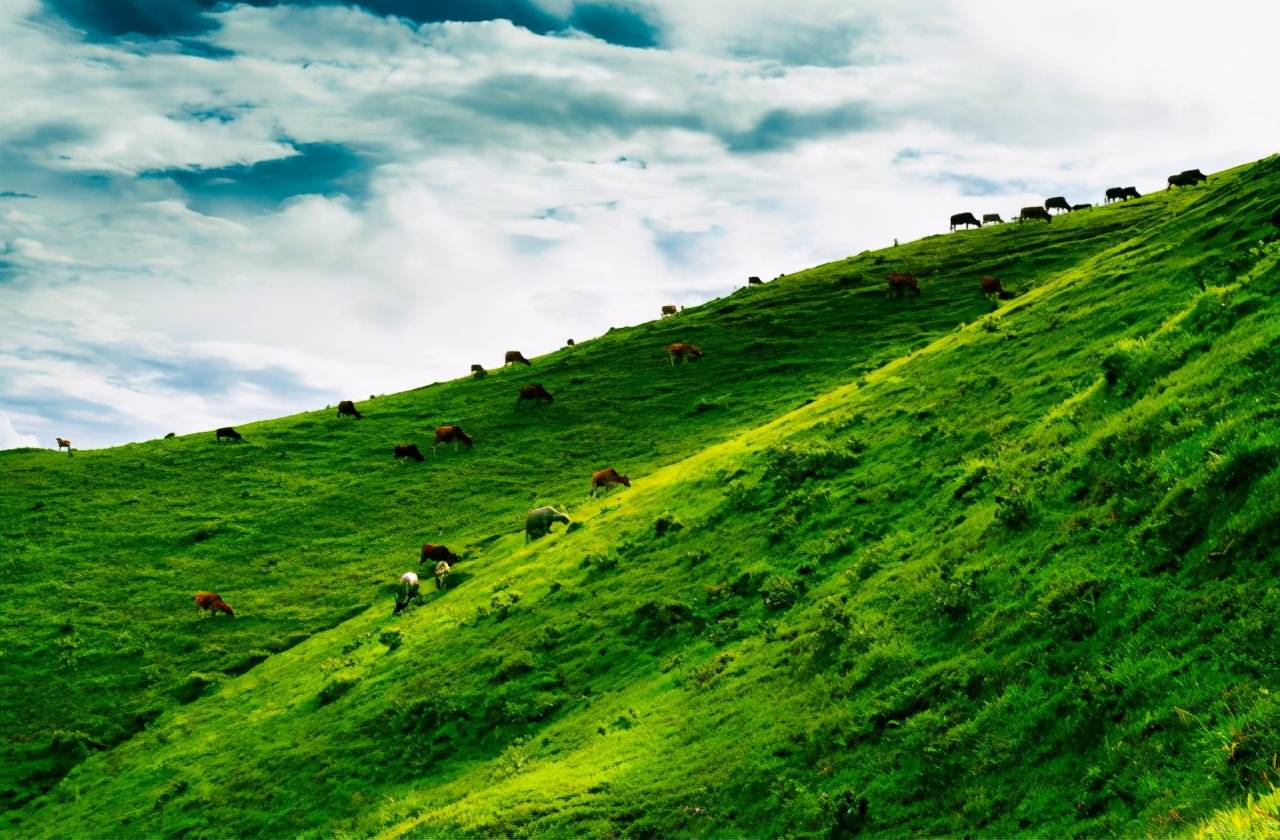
(1115,194)
(347,408)
(1131,192)
(1028,213)
(1186,178)
(965,219)
(1057,203)
(754,281)
(408,450)
(992,219)
(1081,206)
(228,433)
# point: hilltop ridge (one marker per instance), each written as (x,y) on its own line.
(988,567)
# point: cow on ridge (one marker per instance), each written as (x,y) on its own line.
(965,219)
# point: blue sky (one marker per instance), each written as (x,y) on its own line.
(214,212)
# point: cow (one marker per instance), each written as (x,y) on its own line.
(606,478)
(1115,194)
(683,351)
(1186,178)
(965,219)
(1131,192)
(534,392)
(228,433)
(1028,213)
(451,434)
(347,408)
(1275,218)
(407,593)
(569,343)
(407,450)
(477,369)
(63,443)
(901,284)
(754,281)
(991,286)
(170,436)
(1081,206)
(442,570)
(432,551)
(669,309)
(539,521)
(478,372)
(515,357)
(992,219)
(211,603)
(1057,203)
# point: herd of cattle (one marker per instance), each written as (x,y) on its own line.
(1186,178)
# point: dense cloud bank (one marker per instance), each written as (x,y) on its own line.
(211,213)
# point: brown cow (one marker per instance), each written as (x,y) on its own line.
(682,349)
(534,392)
(210,601)
(407,450)
(228,433)
(754,281)
(451,434)
(1028,213)
(991,285)
(347,408)
(669,310)
(432,552)
(965,219)
(63,444)
(515,357)
(900,284)
(605,479)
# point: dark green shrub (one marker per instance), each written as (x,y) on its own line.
(1013,510)
(781,592)
(336,689)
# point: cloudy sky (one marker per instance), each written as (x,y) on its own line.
(212,212)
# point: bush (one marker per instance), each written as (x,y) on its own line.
(781,592)
(520,662)
(1013,510)
(795,462)
(336,689)
(391,638)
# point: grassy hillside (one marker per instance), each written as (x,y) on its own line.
(989,571)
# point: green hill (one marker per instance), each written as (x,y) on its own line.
(929,565)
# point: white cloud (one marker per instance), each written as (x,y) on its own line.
(519,190)
(11,438)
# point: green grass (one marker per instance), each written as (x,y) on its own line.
(996,572)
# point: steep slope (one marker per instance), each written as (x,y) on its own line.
(1013,579)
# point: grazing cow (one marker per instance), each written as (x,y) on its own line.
(992,219)
(1081,206)
(1131,192)
(539,521)
(515,357)
(347,408)
(451,434)
(477,369)
(442,571)
(170,436)
(901,284)
(534,392)
(605,479)
(991,285)
(1057,203)
(682,350)
(408,450)
(1028,213)
(478,372)
(63,443)
(669,310)
(569,343)
(754,281)
(432,551)
(210,602)
(228,433)
(1186,178)
(965,219)
(1115,194)
(407,593)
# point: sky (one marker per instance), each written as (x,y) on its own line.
(212,213)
